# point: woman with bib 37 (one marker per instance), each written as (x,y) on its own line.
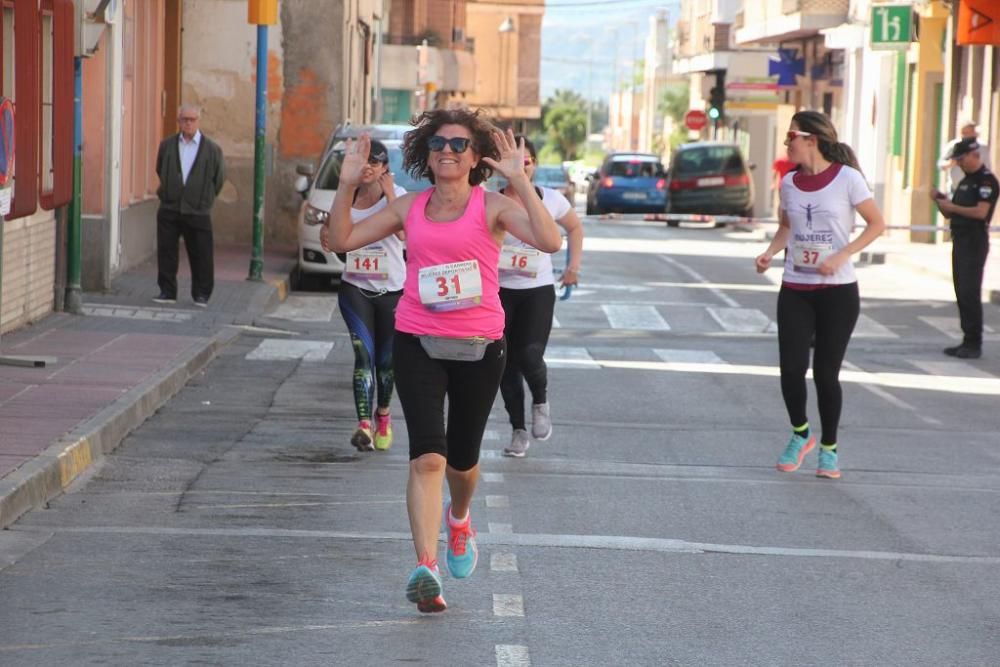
(819,289)
(449,324)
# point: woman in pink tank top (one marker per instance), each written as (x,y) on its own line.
(449,323)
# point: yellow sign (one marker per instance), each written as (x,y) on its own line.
(262,12)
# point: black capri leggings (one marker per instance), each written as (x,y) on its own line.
(829,313)
(371,319)
(529,322)
(471,387)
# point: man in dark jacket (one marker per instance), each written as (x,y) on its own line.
(192,173)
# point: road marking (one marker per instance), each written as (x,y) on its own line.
(508,605)
(275,349)
(512,655)
(555,322)
(503,562)
(949,367)
(698,278)
(497,502)
(689,356)
(869,328)
(500,528)
(894,400)
(490,434)
(495,477)
(299,308)
(646,318)
(506,538)
(949,326)
(133,313)
(741,320)
(560,356)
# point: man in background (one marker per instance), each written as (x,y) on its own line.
(955,173)
(192,172)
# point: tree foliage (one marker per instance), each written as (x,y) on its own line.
(674,102)
(564,120)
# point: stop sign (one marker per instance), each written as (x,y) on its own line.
(695,119)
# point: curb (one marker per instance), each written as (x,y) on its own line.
(46,476)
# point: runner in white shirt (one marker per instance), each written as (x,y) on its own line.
(370,288)
(528,297)
(819,290)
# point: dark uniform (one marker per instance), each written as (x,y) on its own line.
(970,245)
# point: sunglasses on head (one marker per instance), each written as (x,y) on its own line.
(376,161)
(458,144)
(797,133)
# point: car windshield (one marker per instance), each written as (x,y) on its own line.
(550,175)
(709,160)
(635,168)
(329,172)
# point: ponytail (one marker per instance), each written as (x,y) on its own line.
(840,153)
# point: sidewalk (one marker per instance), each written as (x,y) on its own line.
(114,367)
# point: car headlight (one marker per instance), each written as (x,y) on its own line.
(315,216)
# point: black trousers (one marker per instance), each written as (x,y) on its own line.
(527,328)
(830,314)
(197,233)
(970,244)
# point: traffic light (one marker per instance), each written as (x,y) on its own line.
(717,97)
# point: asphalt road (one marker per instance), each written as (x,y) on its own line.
(239,527)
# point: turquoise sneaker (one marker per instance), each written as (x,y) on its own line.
(462,551)
(827,465)
(424,587)
(796,450)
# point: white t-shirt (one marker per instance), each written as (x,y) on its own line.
(378,266)
(518,260)
(821,224)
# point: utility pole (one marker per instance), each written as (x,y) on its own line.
(262,13)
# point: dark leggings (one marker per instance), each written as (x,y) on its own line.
(371,319)
(830,314)
(528,324)
(470,386)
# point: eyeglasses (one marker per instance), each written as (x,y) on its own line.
(797,133)
(188,119)
(458,144)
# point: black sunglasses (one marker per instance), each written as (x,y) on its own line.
(458,144)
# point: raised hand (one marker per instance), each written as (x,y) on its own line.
(511,164)
(355,160)
(388,185)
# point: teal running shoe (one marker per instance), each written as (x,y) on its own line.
(462,551)
(827,465)
(796,450)
(424,587)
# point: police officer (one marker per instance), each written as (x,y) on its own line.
(969,211)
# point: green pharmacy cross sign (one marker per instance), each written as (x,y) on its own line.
(892,26)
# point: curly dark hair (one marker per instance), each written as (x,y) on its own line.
(427,124)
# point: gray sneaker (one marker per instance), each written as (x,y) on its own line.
(541,424)
(519,444)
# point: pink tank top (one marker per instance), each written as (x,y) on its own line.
(430,243)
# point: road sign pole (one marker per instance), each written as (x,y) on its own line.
(257,256)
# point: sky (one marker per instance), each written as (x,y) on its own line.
(578,42)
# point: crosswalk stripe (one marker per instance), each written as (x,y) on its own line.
(869,328)
(949,326)
(559,356)
(646,318)
(280,349)
(306,308)
(689,356)
(741,320)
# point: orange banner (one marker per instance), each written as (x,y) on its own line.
(979,22)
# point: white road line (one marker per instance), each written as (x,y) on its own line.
(494,477)
(949,367)
(512,655)
(869,328)
(950,326)
(497,502)
(500,528)
(560,356)
(506,538)
(690,356)
(890,398)
(722,296)
(275,349)
(306,308)
(503,562)
(508,605)
(490,434)
(555,323)
(741,320)
(645,318)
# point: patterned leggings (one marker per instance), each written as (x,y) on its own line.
(371,320)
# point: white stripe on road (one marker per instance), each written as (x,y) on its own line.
(698,278)
(500,528)
(280,349)
(690,356)
(298,308)
(555,322)
(894,400)
(503,562)
(508,605)
(490,434)
(949,367)
(646,318)
(560,356)
(497,502)
(512,655)
(541,540)
(741,320)
(949,326)
(495,477)
(869,328)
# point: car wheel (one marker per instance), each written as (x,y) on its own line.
(590,208)
(302,281)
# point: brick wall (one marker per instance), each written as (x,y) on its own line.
(28,270)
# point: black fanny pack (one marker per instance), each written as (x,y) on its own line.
(455,349)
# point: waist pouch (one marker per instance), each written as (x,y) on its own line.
(455,349)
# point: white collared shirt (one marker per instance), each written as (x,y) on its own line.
(188,152)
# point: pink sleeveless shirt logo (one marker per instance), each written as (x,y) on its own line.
(429,243)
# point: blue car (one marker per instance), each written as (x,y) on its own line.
(628,183)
